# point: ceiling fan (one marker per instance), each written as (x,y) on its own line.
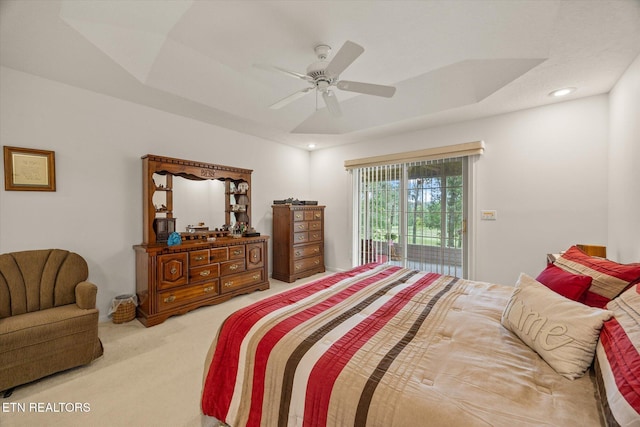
(322,75)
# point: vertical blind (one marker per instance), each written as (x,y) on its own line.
(411,214)
(409,208)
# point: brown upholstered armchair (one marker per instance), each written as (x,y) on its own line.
(48,315)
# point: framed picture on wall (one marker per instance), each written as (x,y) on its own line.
(27,169)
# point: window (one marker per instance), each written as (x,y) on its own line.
(413,214)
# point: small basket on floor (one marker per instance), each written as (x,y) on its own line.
(123,308)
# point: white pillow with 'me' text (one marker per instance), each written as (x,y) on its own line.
(563,332)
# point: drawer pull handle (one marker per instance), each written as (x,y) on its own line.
(315,236)
(256,276)
(298,267)
(298,253)
(199,258)
(237,252)
(317,262)
(228,284)
(300,237)
(208,289)
(170,299)
(255,256)
(173,270)
(301,226)
(298,216)
(317,215)
(316,250)
(205,273)
(233,267)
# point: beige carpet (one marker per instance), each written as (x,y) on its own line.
(146,377)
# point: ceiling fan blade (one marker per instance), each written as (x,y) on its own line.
(289,99)
(367,88)
(343,58)
(284,71)
(332,103)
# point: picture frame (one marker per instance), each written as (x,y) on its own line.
(28,169)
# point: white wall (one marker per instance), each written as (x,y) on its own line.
(544,170)
(624,167)
(98,141)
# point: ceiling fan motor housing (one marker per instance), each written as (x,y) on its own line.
(316,72)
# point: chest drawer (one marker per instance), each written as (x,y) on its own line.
(307,263)
(237,281)
(236,252)
(301,226)
(197,258)
(175,298)
(312,215)
(231,267)
(315,236)
(305,251)
(301,237)
(206,272)
(315,225)
(298,215)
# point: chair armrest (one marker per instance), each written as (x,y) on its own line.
(86,295)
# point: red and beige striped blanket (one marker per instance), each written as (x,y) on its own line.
(385,346)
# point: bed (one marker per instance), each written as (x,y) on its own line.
(381,345)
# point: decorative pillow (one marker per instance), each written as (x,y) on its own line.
(563,332)
(618,356)
(572,286)
(609,277)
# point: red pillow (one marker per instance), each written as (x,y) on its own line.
(572,286)
(594,300)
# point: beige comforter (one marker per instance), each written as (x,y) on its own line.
(385,346)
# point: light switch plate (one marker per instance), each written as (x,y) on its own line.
(488,215)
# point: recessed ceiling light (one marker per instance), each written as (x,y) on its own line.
(562,92)
(311,145)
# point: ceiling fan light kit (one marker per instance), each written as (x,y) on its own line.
(323,74)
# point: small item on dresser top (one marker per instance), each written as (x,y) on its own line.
(289,201)
(174,239)
(251,232)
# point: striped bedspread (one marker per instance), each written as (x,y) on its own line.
(385,346)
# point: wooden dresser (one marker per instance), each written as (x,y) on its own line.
(206,266)
(298,241)
(176,279)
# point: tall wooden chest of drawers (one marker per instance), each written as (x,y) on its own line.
(298,241)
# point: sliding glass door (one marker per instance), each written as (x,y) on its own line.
(413,215)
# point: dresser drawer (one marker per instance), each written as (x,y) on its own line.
(230,267)
(307,263)
(312,215)
(237,281)
(298,215)
(172,270)
(170,299)
(305,251)
(236,252)
(218,254)
(301,237)
(206,272)
(197,258)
